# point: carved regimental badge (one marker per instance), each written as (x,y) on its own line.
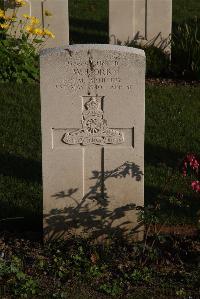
(94,128)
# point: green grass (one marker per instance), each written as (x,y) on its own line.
(185,10)
(172,124)
(88,21)
(20,155)
(172,130)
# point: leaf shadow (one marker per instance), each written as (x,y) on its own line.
(93,214)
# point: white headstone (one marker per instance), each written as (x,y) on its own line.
(92,101)
(143,20)
(57,22)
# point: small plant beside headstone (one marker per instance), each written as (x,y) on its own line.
(186,49)
(20,41)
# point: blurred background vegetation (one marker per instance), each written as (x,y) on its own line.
(89,24)
(88,21)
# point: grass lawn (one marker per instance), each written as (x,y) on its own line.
(185,10)
(172,130)
(88,21)
(172,124)
(20,155)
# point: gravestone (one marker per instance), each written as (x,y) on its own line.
(142,20)
(57,21)
(92,103)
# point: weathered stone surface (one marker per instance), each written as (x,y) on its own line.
(58,23)
(141,20)
(92,101)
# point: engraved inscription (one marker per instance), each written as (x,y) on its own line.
(94,128)
(101,75)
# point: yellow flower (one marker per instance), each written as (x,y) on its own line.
(2,13)
(20,2)
(6,17)
(4,26)
(49,33)
(26,16)
(34,21)
(9,18)
(29,29)
(38,31)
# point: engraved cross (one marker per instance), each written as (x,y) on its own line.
(94,136)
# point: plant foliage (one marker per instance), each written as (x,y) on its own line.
(157,56)
(186,49)
(20,41)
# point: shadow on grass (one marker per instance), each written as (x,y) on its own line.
(13,216)
(155,155)
(186,212)
(19,167)
(88,31)
(31,170)
(77,215)
(25,223)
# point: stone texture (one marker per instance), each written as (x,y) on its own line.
(121,20)
(92,103)
(140,19)
(58,23)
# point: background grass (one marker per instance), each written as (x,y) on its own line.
(172,130)
(88,21)
(185,10)
(172,123)
(20,156)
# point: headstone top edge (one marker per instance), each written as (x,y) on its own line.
(102,47)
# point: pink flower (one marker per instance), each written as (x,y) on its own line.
(184,172)
(193,162)
(196,186)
